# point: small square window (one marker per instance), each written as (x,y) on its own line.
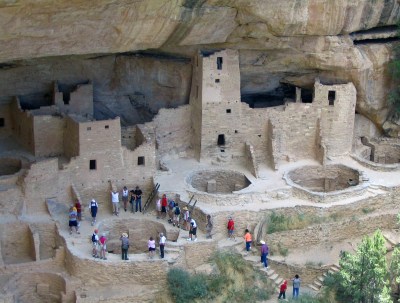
(140,161)
(236,131)
(2,122)
(228,111)
(89,128)
(106,126)
(92,165)
(216,80)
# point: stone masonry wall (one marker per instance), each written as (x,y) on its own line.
(22,126)
(173,132)
(48,135)
(337,116)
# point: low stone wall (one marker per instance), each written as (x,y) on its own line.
(332,232)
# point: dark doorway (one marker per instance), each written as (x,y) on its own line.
(92,164)
(221,139)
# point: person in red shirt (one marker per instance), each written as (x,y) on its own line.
(164,204)
(282,290)
(78,209)
(231,229)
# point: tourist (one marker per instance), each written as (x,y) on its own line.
(209,227)
(193,230)
(124,246)
(132,199)
(177,214)
(296,286)
(248,240)
(78,206)
(73,220)
(186,218)
(115,202)
(164,203)
(93,207)
(282,290)
(158,208)
(231,229)
(171,205)
(138,195)
(163,239)
(264,253)
(103,246)
(95,243)
(151,244)
(125,194)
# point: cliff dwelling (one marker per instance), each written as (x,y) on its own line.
(224,117)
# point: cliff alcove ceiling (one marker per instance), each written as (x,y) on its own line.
(138,53)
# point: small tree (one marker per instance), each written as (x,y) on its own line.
(363,276)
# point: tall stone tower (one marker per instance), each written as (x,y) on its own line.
(215,102)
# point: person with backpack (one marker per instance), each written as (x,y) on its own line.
(125,195)
(164,204)
(163,239)
(177,215)
(93,207)
(186,216)
(95,243)
(124,246)
(231,229)
(282,290)
(193,230)
(248,239)
(171,206)
(73,221)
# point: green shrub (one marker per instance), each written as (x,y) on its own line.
(184,287)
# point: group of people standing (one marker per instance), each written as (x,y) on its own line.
(134,197)
(99,245)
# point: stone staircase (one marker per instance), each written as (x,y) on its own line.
(255,260)
(319,281)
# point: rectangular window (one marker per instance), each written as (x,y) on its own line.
(106,126)
(216,80)
(221,139)
(2,122)
(140,161)
(219,63)
(89,128)
(92,165)
(331,97)
(228,111)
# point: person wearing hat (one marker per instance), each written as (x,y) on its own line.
(95,243)
(138,195)
(103,246)
(163,239)
(264,253)
(124,246)
(93,207)
(186,220)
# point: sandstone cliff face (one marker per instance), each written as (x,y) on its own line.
(289,41)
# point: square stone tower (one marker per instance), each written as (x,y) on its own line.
(215,102)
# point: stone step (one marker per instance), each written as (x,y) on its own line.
(334,268)
(317,283)
(321,278)
(270,272)
(274,276)
(313,287)
(278,281)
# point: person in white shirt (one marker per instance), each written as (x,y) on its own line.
(193,230)
(163,239)
(115,202)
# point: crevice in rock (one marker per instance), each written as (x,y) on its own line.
(382,34)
